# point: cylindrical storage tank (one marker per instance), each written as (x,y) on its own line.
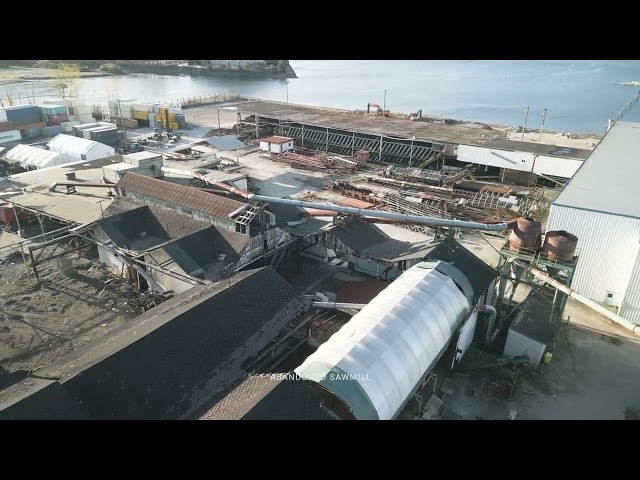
(559,246)
(526,235)
(376,361)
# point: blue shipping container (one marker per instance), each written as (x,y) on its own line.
(32,132)
(23,114)
(51,131)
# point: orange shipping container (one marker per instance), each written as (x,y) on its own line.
(140,115)
(32,125)
(174,125)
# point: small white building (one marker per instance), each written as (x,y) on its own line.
(33,158)
(276,144)
(601,206)
(80,148)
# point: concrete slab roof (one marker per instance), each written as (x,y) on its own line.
(464,134)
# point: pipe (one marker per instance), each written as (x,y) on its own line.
(492,320)
(581,298)
(193,173)
(442,222)
(53,187)
(339,305)
(239,210)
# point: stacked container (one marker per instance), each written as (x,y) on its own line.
(51,131)
(20,115)
(67,127)
(5,126)
(10,136)
(105,135)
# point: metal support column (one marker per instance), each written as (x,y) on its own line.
(380,155)
(257,127)
(326,148)
(353,143)
(303,135)
(239,119)
(33,265)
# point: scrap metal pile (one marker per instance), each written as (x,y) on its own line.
(319,161)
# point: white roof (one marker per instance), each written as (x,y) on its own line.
(120,166)
(140,156)
(390,344)
(607,180)
(27,155)
(71,144)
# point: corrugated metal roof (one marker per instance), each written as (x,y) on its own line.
(225,142)
(179,194)
(607,180)
(26,155)
(68,143)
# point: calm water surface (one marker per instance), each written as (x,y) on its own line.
(580,95)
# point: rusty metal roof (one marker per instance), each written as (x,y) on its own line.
(182,195)
(276,139)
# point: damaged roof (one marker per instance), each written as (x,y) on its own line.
(479,274)
(135,229)
(182,195)
(175,224)
(367,239)
(202,249)
(159,364)
(268,397)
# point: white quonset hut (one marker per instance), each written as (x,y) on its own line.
(377,360)
(34,158)
(601,206)
(80,148)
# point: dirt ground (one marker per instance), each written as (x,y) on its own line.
(38,324)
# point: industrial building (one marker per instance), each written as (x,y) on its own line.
(600,205)
(80,148)
(30,158)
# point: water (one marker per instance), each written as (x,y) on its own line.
(580,95)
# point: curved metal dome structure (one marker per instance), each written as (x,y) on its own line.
(376,361)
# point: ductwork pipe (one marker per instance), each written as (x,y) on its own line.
(581,298)
(338,305)
(192,173)
(493,313)
(360,212)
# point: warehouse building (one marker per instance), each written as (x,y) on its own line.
(601,206)
(80,148)
(31,158)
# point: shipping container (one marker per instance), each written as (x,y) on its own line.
(52,109)
(75,102)
(73,118)
(5,126)
(174,125)
(51,131)
(138,115)
(57,101)
(31,125)
(57,119)
(7,214)
(32,132)
(22,114)
(87,119)
(3,115)
(82,110)
(127,122)
(10,136)
(142,107)
(67,127)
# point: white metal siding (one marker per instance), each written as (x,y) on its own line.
(522,161)
(168,282)
(608,247)
(264,146)
(630,307)
(465,339)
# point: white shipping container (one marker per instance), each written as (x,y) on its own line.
(69,124)
(3,116)
(10,136)
(82,110)
(87,119)
(86,133)
(142,107)
(57,101)
(73,118)
(75,102)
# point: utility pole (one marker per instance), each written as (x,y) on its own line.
(526,117)
(286,84)
(544,114)
(123,129)
(384,104)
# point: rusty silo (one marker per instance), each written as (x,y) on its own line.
(559,246)
(526,235)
